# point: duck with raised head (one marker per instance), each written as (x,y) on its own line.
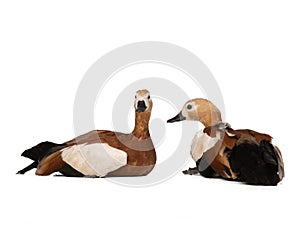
(100,153)
(220,151)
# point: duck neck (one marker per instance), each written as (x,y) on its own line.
(211,120)
(141,128)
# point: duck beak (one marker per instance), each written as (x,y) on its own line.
(141,106)
(177,118)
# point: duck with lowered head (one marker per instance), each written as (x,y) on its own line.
(101,153)
(220,151)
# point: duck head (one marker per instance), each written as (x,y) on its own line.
(143,107)
(199,109)
(143,101)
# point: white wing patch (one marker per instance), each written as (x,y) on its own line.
(202,143)
(94,159)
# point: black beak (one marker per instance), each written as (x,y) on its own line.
(177,118)
(141,106)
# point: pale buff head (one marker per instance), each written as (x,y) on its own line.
(199,109)
(143,101)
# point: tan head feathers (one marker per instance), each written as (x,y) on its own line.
(199,109)
(143,102)
(202,110)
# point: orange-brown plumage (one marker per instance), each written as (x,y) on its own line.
(136,146)
(243,155)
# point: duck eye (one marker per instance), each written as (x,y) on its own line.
(148,96)
(189,106)
(135,96)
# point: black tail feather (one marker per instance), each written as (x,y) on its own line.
(38,152)
(255,164)
(27,168)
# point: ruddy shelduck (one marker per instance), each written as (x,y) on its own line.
(101,153)
(220,151)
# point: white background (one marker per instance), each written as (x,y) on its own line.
(252,48)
